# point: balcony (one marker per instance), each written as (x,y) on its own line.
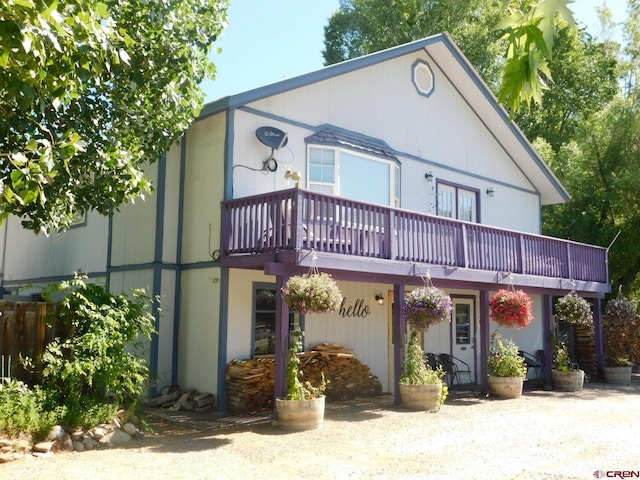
(271,225)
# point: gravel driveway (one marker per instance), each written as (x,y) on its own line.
(543,435)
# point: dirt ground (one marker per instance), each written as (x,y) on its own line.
(543,435)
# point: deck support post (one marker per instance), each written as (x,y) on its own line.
(281,343)
(485,339)
(398,332)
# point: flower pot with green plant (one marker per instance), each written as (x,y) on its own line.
(511,308)
(421,387)
(303,407)
(566,375)
(507,369)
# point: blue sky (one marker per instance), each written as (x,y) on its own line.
(268,41)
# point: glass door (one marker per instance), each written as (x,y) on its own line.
(463,335)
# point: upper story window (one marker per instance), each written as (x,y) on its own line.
(457,202)
(352,172)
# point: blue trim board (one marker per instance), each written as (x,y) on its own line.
(222,339)
(178,279)
(157,265)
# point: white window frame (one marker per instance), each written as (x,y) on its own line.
(334,188)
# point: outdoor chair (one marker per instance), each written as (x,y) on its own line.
(449,367)
(431,360)
(534,363)
(460,366)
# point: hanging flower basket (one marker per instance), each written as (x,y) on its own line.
(621,308)
(312,293)
(573,308)
(427,306)
(511,308)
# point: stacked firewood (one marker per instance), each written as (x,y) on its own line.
(174,398)
(586,348)
(250,382)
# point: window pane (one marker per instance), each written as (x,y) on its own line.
(463,324)
(321,165)
(466,205)
(446,201)
(364,179)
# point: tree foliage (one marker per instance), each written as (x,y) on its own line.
(360,27)
(93,90)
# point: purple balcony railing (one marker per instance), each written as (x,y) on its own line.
(299,219)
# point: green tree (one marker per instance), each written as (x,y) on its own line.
(360,27)
(91,91)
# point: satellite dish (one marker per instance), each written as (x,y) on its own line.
(272,137)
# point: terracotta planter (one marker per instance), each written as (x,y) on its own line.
(570,381)
(618,375)
(299,415)
(505,387)
(421,397)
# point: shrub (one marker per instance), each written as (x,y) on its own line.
(22,410)
(98,363)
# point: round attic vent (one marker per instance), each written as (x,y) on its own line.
(423,78)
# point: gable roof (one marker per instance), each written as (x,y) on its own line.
(460,73)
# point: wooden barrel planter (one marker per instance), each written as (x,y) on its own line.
(505,387)
(569,381)
(618,375)
(421,397)
(297,415)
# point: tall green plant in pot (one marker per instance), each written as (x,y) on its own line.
(303,406)
(507,369)
(421,387)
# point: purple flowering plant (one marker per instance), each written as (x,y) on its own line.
(427,306)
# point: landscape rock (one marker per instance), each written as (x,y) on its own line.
(130,428)
(89,443)
(56,433)
(64,444)
(116,437)
(43,447)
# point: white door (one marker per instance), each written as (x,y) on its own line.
(463,333)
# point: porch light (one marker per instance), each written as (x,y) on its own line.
(379,299)
(429,176)
(490,191)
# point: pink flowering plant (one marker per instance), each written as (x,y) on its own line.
(312,293)
(511,308)
(573,308)
(427,306)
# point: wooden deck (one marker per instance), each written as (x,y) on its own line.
(296,220)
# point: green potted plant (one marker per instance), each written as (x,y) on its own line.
(421,387)
(511,308)
(507,369)
(565,374)
(303,406)
(313,292)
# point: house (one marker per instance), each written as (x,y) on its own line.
(384,171)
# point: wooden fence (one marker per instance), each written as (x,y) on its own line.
(24,332)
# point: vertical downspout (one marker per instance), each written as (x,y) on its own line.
(178,273)
(223,313)
(547,320)
(484,341)
(157,266)
(398,330)
(109,249)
